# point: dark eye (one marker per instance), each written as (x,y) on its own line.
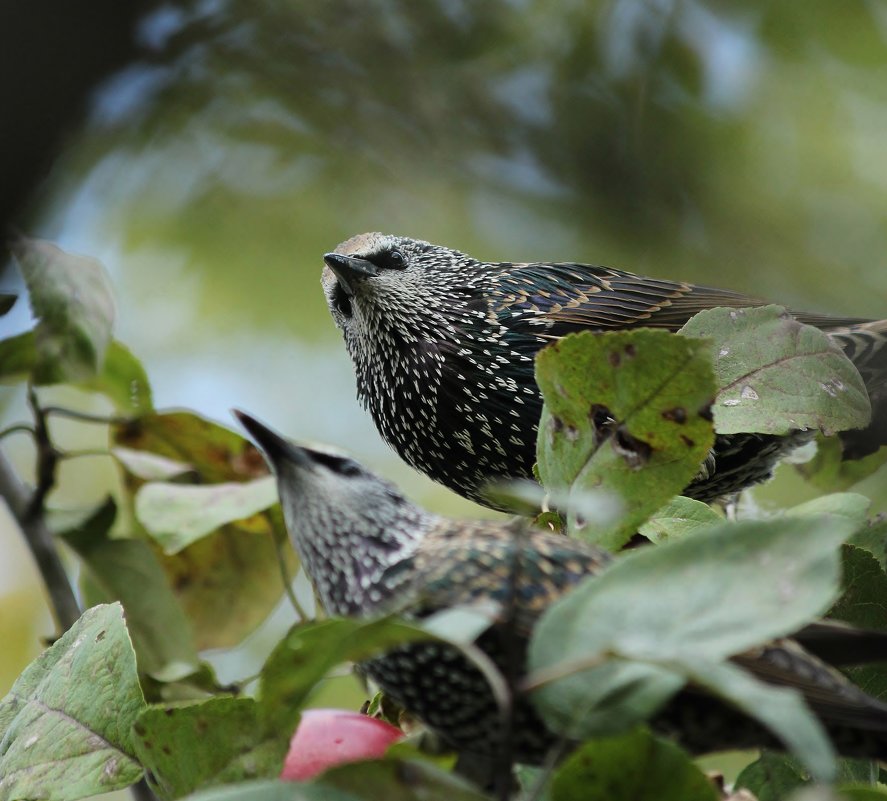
(338,464)
(395,260)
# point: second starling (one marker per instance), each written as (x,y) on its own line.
(368,550)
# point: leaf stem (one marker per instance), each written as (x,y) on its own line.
(560,670)
(85,417)
(79,454)
(18,428)
(285,576)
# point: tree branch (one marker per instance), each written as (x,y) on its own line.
(64,604)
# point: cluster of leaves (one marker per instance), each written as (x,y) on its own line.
(629,417)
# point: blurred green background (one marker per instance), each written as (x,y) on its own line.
(740,144)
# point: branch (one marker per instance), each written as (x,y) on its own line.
(40,540)
(64,604)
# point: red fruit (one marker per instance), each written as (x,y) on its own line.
(328,737)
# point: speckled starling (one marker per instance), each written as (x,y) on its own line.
(443,347)
(369,550)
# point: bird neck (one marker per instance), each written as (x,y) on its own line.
(346,568)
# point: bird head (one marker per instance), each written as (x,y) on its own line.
(376,283)
(341,517)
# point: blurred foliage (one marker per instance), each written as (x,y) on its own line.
(739,141)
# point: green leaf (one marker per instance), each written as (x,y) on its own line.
(631,767)
(857,771)
(271,791)
(310,651)
(236,566)
(864,601)
(873,538)
(123,379)
(529,778)
(394,779)
(849,505)
(717,591)
(843,793)
(177,515)
(655,389)
(678,517)
(828,471)
(127,570)
(864,604)
(189,746)
(236,569)
(18,355)
(7,301)
(776,375)
(65,724)
(863,793)
(773,776)
(71,297)
(215,453)
(781,709)
(703,598)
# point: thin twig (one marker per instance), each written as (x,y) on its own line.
(285,576)
(79,454)
(18,428)
(47,459)
(85,417)
(560,670)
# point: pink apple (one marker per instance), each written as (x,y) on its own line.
(328,737)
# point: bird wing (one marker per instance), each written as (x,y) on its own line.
(521,570)
(827,692)
(558,299)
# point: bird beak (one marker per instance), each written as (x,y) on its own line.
(275,447)
(350,270)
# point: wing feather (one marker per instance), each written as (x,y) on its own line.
(562,298)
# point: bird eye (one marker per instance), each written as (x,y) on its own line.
(396,260)
(338,464)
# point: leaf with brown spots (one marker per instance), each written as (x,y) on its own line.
(232,564)
(65,724)
(190,746)
(625,412)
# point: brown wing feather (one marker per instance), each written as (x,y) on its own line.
(829,694)
(580,296)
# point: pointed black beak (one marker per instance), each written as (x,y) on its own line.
(275,447)
(350,270)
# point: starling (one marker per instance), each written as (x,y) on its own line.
(443,347)
(368,550)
